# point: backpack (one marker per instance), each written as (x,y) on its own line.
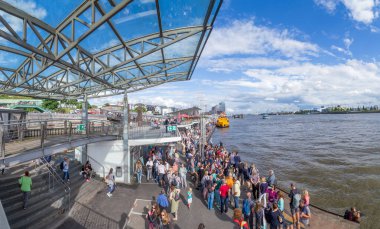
(61,165)
(246,207)
(174,182)
(176,196)
(296,200)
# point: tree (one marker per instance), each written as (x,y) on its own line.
(106,105)
(50,104)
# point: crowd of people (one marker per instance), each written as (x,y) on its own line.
(224,181)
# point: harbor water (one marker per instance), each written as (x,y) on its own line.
(336,157)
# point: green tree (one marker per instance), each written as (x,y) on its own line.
(50,104)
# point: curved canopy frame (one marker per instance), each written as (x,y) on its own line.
(104,47)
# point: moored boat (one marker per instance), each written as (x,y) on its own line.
(222,121)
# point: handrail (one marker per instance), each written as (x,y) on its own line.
(104,170)
(314,206)
(14,122)
(58,178)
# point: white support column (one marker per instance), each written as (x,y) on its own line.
(86,127)
(126,150)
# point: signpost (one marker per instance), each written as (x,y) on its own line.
(172,128)
(80,127)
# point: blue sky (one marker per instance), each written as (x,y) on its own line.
(284,55)
(272,55)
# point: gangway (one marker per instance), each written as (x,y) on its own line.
(26,106)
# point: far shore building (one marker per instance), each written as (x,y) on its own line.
(217,109)
(193,111)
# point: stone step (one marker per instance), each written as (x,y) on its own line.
(37,188)
(48,219)
(42,209)
(88,187)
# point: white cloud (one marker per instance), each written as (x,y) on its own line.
(244,37)
(354,82)
(347,44)
(228,65)
(330,5)
(29,7)
(364,11)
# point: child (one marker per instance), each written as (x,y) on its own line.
(280,201)
(189,197)
(306,197)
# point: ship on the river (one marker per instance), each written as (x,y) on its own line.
(222,121)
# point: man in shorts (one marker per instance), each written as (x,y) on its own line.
(295,197)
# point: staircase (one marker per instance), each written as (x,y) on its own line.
(46,206)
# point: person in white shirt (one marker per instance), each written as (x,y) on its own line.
(149,167)
(161,172)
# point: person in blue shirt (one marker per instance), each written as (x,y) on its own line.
(65,169)
(271,179)
(162,200)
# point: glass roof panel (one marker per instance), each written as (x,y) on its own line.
(181,68)
(138,19)
(183,13)
(100,39)
(183,48)
(51,12)
(10,60)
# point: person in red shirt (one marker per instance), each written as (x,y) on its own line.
(224,197)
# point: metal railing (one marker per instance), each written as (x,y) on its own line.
(91,159)
(149,132)
(54,178)
(47,130)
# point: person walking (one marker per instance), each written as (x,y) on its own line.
(139,170)
(182,174)
(152,216)
(149,168)
(174,201)
(162,200)
(25,183)
(65,169)
(224,189)
(110,179)
(189,197)
(236,192)
(165,221)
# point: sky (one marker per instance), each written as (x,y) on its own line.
(268,56)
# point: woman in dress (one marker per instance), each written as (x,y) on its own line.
(174,201)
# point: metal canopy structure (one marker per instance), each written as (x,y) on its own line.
(103,47)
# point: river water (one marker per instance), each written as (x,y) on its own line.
(335,157)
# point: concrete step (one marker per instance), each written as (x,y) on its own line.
(47,216)
(43,209)
(37,189)
(88,187)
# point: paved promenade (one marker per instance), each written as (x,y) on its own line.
(128,206)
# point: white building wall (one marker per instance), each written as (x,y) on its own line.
(110,155)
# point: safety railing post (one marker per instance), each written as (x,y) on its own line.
(20,131)
(42,130)
(2,147)
(65,127)
(70,130)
